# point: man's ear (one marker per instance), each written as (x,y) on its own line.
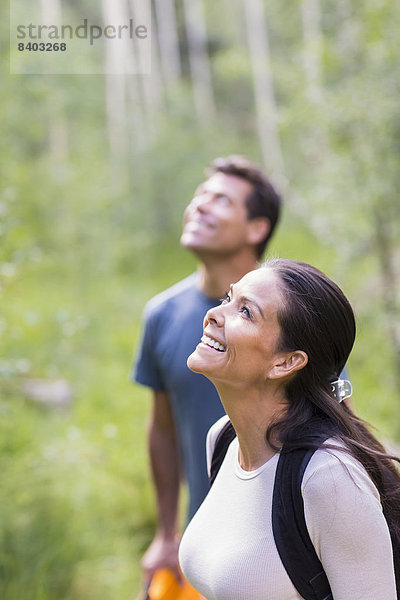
(288,364)
(257,230)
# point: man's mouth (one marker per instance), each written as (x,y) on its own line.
(194,223)
(213,343)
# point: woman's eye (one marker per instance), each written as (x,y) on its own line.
(225,298)
(245,311)
(223,200)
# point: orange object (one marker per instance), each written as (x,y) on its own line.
(164,586)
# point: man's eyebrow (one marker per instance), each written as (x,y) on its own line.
(246,300)
(199,188)
(202,187)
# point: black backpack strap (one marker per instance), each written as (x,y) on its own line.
(225,436)
(291,536)
(292,540)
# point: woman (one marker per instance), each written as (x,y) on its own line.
(272,349)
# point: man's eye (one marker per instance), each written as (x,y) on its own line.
(244,310)
(223,199)
(225,298)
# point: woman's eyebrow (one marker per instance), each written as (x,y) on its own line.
(246,300)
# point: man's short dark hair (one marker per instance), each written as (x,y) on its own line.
(263,201)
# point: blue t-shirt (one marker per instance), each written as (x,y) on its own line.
(172,329)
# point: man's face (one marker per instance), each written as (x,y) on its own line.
(216,220)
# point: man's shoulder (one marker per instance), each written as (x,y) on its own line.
(171,295)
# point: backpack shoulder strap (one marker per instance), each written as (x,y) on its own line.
(292,539)
(225,436)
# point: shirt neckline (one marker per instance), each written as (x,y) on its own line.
(242,474)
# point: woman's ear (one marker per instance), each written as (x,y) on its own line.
(287,364)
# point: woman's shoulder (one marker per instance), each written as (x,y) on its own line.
(212,437)
(333,469)
(216,429)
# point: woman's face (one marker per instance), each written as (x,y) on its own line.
(240,338)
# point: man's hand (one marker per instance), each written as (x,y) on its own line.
(161,554)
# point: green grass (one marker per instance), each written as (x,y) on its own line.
(77,504)
(77,509)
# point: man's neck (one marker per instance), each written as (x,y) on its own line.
(216,275)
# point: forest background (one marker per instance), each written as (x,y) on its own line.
(95,174)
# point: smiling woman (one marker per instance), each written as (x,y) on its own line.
(273,349)
(246,325)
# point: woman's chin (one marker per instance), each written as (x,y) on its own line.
(194,362)
(199,360)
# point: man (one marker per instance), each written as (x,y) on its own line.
(227,226)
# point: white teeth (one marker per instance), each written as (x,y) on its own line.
(213,343)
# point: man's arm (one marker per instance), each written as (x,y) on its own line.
(165,465)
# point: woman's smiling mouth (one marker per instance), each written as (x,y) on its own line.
(213,343)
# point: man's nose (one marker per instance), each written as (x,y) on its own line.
(202,201)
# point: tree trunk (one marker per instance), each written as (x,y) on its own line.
(257,36)
(318,146)
(117,56)
(58,129)
(168,41)
(312,61)
(199,61)
(150,84)
(390,284)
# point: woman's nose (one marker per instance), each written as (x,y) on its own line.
(214,316)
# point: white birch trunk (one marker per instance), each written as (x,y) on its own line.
(116,114)
(58,130)
(51,12)
(153,81)
(349,34)
(319,147)
(199,61)
(257,36)
(312,49)
(233,22)
(384,229)
(150,85)
(116,57)
(168,40)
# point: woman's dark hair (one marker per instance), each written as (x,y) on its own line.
(317,318)
(263,201)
